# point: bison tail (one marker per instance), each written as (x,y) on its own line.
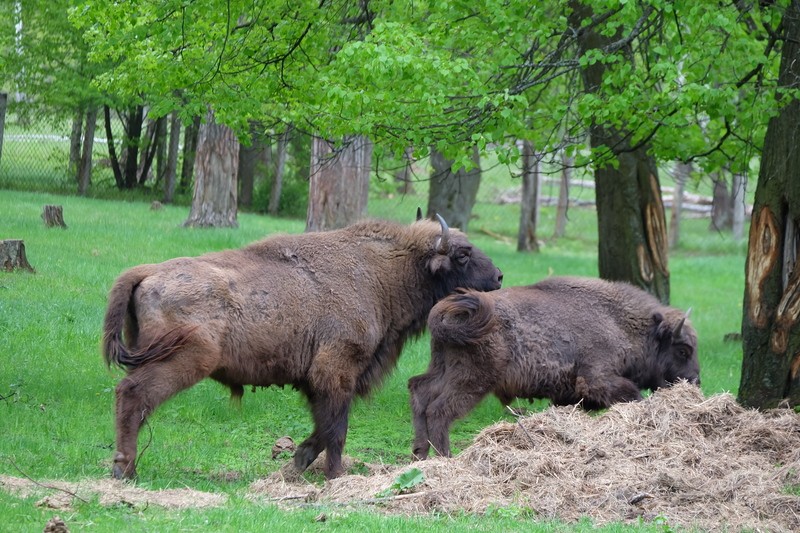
(463,318)
(115,352)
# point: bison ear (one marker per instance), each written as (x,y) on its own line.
(661,327)
(439,263)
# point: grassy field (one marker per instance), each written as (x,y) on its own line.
(56,411)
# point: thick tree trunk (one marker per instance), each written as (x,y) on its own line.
(85,168)
(452,195)
(189,151)
(171,170)
(529,203)
(771,325)
(12,256)
(216,166)
(682,173)
(339,184)
(632,244)
(280,167)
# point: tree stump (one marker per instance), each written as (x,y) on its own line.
(12,256)
(53,215)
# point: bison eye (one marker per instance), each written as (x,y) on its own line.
(462,256)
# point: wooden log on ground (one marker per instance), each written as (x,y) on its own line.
(12,256)
(53,215)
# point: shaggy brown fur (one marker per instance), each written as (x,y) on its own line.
(572,340)
(325,312)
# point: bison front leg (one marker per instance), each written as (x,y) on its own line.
(141,392)
(599,391)
(331,388)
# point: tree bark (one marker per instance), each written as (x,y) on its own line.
(452,195)
(529,203)
(632,243)
(53,216)
(721,206)
(132,139)
(75,145)
(770,326)
(339,184)
(189,152)
(249,159)
(563,196)
(216,166)
(112,150)
(3,107)
(12,256)
(280,167)
(85,168)
(682,173)
(171,170)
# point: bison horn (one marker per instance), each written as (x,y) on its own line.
(419,214)
(444,241)
(677,333)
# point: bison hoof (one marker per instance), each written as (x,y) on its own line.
(123,469)
(303,457)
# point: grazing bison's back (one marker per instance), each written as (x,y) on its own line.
(572,340)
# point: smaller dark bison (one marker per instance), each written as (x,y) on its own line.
(572,340)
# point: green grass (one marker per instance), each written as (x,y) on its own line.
(56,411)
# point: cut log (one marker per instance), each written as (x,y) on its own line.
(53,215)
(12,256)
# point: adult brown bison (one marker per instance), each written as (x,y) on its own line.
(567,339)
(325,312)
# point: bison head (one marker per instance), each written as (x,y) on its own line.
(455,262)
(676,353)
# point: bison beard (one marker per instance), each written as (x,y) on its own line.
(325,312)
(572,340)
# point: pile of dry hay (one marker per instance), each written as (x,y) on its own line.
(677,456)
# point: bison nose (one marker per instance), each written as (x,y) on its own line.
(499,277)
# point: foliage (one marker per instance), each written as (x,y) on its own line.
(404,482)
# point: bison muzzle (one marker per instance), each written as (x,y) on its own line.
(327,313)
(572,340)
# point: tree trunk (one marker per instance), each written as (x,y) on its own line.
(721,204)
(53,216)
(216,167)
(403,176)
(133,134)
(339,185)
(161,149)
(563,196)
(3,107)
(453,195)
(631,223)
(249,159)
(112,151)
(12,256)
(682,173)
(75,146)
(148,147)
(189,152)
(529,203)
(770,326)
(171,170)
(739,209)
(280,167)
(85,169)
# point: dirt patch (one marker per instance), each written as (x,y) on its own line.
(676,457)
(62,494)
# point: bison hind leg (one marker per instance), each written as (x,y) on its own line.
(237,391)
